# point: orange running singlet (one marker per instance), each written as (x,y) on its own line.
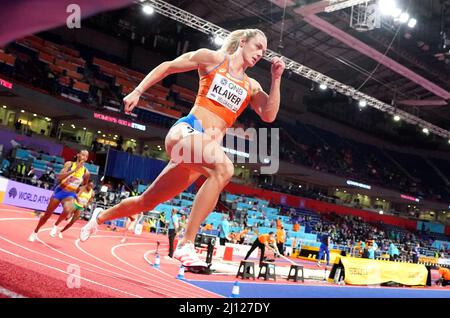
(223,94)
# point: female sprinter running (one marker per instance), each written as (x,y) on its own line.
(85,196)
(225,91)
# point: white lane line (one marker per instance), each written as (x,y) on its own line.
(64,272)
(10,293)
(127,277)
(100,260)
(169,282)
(186,282)
(77,243)
(64,262)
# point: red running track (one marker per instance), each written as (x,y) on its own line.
(101,267)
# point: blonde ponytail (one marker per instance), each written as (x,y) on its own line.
(231,43)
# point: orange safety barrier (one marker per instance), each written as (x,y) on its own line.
(228,254)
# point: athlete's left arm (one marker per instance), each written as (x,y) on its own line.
(267,106)
(92,198)
(86,177)
(80,190)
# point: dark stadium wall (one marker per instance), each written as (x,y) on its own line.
(96,40)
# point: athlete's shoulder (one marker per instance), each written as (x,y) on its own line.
(207,56)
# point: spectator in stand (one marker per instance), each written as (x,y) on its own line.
(146,152)
(263,241)
(393,251)
(208,227)
(31,177)
(152,224)
(325,240)
(416,253)
(444,279)
(173,229)
(296,227)
(281,239)
(372,247)
(224,230)
(4,169)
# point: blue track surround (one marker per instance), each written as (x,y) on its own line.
(261,290)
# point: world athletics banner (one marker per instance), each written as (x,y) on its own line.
(26,196)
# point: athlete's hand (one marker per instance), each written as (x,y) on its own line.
(131,100)
(278,67)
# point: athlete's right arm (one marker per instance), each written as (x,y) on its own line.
(200,59)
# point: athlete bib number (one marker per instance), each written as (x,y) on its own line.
(73,182)
(227,93)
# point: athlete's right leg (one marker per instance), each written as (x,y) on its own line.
(202,153)
(128,225)
(68,208)
(52,205)
(171,181)
(75,217)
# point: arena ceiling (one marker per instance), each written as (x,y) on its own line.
(420,49)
